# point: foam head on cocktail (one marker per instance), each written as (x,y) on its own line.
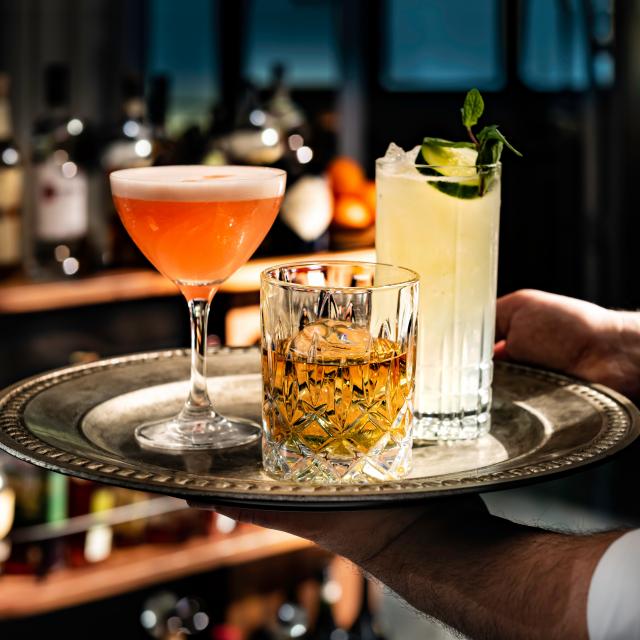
(197,225)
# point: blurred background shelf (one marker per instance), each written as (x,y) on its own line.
(21,295)
(138,567)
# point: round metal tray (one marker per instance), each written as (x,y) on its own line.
(79,421)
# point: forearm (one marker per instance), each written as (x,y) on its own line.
(496,580)
(484,576)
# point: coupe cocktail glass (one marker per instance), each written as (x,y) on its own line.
(197,225)
(443,223)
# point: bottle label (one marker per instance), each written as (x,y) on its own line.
(10,242)
(62,211)
(10,188)
(7,510)
(57,496)
(5,119)
(98,542)
(10,223)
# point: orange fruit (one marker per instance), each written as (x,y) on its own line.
(345,175)
(351,213)
(368,196)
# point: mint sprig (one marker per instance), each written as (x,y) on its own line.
(471,111)
(489,142)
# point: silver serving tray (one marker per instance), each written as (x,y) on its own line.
(79,421)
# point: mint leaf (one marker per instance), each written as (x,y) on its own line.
(439,142)
(489,152)
(492,133)
(472,109)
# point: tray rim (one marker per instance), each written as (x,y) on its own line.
(17,440)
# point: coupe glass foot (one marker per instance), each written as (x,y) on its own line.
(178,434)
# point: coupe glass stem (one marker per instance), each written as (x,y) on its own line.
(198,404)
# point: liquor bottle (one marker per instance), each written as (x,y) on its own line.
(129,146)
(163,148)
(133,531)
(219,127)
(57,511)
(60,225)
(11,184)
(94,544)
(303,223)
(288,116)
(41,497)
(7,513)
(29,484)
(255,138)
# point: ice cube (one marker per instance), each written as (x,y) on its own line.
(394,153)
(412,154)
(332,341)
(397,160)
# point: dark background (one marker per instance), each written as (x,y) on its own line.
(561,77)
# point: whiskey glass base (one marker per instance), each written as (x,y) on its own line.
(428,427)
(295,463)
(193,434)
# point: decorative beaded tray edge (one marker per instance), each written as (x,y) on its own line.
(622,427)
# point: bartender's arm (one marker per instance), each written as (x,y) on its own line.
(482,575)
(485,576)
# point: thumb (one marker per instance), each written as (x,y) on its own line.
(506,307)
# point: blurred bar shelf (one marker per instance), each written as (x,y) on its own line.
(19,295)
(138,567)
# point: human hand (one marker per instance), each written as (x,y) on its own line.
(571,336)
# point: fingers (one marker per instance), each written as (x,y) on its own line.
(500,350)
(507,306)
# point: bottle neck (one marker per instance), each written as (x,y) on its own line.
(6,131)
